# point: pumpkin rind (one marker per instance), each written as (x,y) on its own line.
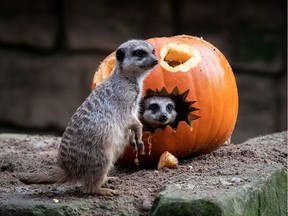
(212,85)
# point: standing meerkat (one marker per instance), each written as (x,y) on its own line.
(158,111)
(106,121)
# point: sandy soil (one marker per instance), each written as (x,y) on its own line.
(138,186)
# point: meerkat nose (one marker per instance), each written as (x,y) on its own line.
(163,117)
(155,62)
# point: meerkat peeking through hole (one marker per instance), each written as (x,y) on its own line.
(158,112)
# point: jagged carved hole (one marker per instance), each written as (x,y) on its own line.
(175,57)
(154,105)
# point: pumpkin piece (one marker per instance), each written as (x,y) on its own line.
(106,67)
(198,76)
(167,160)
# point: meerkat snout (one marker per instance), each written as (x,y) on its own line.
(163,117)
(158,111)
(155,62)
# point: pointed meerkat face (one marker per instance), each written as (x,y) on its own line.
(159,110)
(136,56)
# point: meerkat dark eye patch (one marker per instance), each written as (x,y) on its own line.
(154,107)
(120,54)
(169,107)
(139,53)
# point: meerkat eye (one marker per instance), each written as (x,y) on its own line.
(170,107)
(139,53)
(153,107)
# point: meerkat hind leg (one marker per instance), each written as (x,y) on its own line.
(96,189)
(101,191)
(107,191)
(95,185)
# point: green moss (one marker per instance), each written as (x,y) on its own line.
(264,197)
(267,198)
(187,207)
(60,210)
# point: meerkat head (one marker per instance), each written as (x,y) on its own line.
(158,111)
(136,56)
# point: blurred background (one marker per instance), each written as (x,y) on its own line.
(50,49)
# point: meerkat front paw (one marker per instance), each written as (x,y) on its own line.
(141,146)
(136,144)
(131,139)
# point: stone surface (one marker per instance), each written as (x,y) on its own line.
(260,190)
(35,208)
(104,25)
(244,179)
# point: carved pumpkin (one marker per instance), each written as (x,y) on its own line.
(201,81)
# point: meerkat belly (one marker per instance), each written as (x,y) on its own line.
(119,136)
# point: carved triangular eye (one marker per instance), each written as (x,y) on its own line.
(164,91)
(185,94)
(175,91)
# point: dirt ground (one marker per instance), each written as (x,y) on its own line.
(138,186)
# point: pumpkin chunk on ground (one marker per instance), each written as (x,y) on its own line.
(167,160)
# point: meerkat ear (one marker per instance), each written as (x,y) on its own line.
(120,54)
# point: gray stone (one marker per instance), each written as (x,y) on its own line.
(38,208)
(38,91)
(23,23)
(246,34)
(252,188)
(146,205)
(104,25)
(264,192)
(251,34)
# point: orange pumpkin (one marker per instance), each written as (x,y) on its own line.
(198,74)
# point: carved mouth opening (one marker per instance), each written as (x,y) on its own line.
(183,108)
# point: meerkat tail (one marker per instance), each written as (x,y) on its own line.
(53,176)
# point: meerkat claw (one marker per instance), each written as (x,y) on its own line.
(141,146)
(108,192)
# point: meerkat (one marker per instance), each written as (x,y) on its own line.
(102,126)
(158,112)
